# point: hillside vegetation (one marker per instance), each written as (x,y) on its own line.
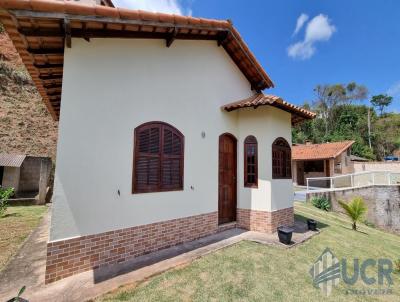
(26,127)
(342,114)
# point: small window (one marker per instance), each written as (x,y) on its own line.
(250,162)
(281,159)
(158,158)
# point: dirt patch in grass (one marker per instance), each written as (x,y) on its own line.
(17,223)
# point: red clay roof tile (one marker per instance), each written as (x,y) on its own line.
(320,151)
(76,13)
(261,99)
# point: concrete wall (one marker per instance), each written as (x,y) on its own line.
(383,203)
(377,166)
(343,164)
(30,174)
(11,176)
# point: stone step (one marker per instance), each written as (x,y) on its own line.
(227,226)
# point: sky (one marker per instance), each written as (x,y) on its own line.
(303,43)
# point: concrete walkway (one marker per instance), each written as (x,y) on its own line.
(28,267)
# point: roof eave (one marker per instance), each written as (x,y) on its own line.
(61,12)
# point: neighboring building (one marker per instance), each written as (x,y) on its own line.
(28,175)
(321,160)
(358,159)
(159,139)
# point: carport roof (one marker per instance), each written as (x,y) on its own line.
(319,151)
(11,160)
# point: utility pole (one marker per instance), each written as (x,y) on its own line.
(369,128)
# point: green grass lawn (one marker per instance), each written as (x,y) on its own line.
(16,224)
(249,271)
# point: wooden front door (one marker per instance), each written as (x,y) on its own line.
(227,179)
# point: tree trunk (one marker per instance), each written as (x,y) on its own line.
(354,226)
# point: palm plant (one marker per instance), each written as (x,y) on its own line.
(355,209)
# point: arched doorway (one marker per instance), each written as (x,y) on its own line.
(227,178)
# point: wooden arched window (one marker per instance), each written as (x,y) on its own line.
(250,162)
(281,159)
(158,158)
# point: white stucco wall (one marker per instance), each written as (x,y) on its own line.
(266,124)
(112,86)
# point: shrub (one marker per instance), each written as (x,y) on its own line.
(397,266)
(355,209)
(369,224)
(5,194)
(18,76)
(321,202)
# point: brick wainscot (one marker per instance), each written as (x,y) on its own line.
(263,221)
(72,256)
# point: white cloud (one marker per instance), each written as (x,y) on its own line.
(301,50)
(394,90)
(319,28)
(300,22)
(164,6)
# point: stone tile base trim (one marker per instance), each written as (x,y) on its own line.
(68,257)
(263,221)
(227,226)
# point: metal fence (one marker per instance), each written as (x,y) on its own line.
(354,180)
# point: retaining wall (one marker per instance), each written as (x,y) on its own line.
(383,203)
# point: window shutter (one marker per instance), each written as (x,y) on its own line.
(158,158)
(171,163)
(147,163)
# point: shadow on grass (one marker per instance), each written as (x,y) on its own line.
(18,203)
(349,228)
(12,215)
(320,225)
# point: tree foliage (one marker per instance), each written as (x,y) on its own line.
(381,101)
(342,116)
(5,194)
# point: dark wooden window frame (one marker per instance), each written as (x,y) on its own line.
(162,157)
(250,142)
(281,159)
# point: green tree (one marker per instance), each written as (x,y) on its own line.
(381,101)
(355,209)
(331,96)
(340,116)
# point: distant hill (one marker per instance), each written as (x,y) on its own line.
(26,127)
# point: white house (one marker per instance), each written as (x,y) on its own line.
(164,134)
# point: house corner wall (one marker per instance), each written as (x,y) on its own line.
(271,204)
